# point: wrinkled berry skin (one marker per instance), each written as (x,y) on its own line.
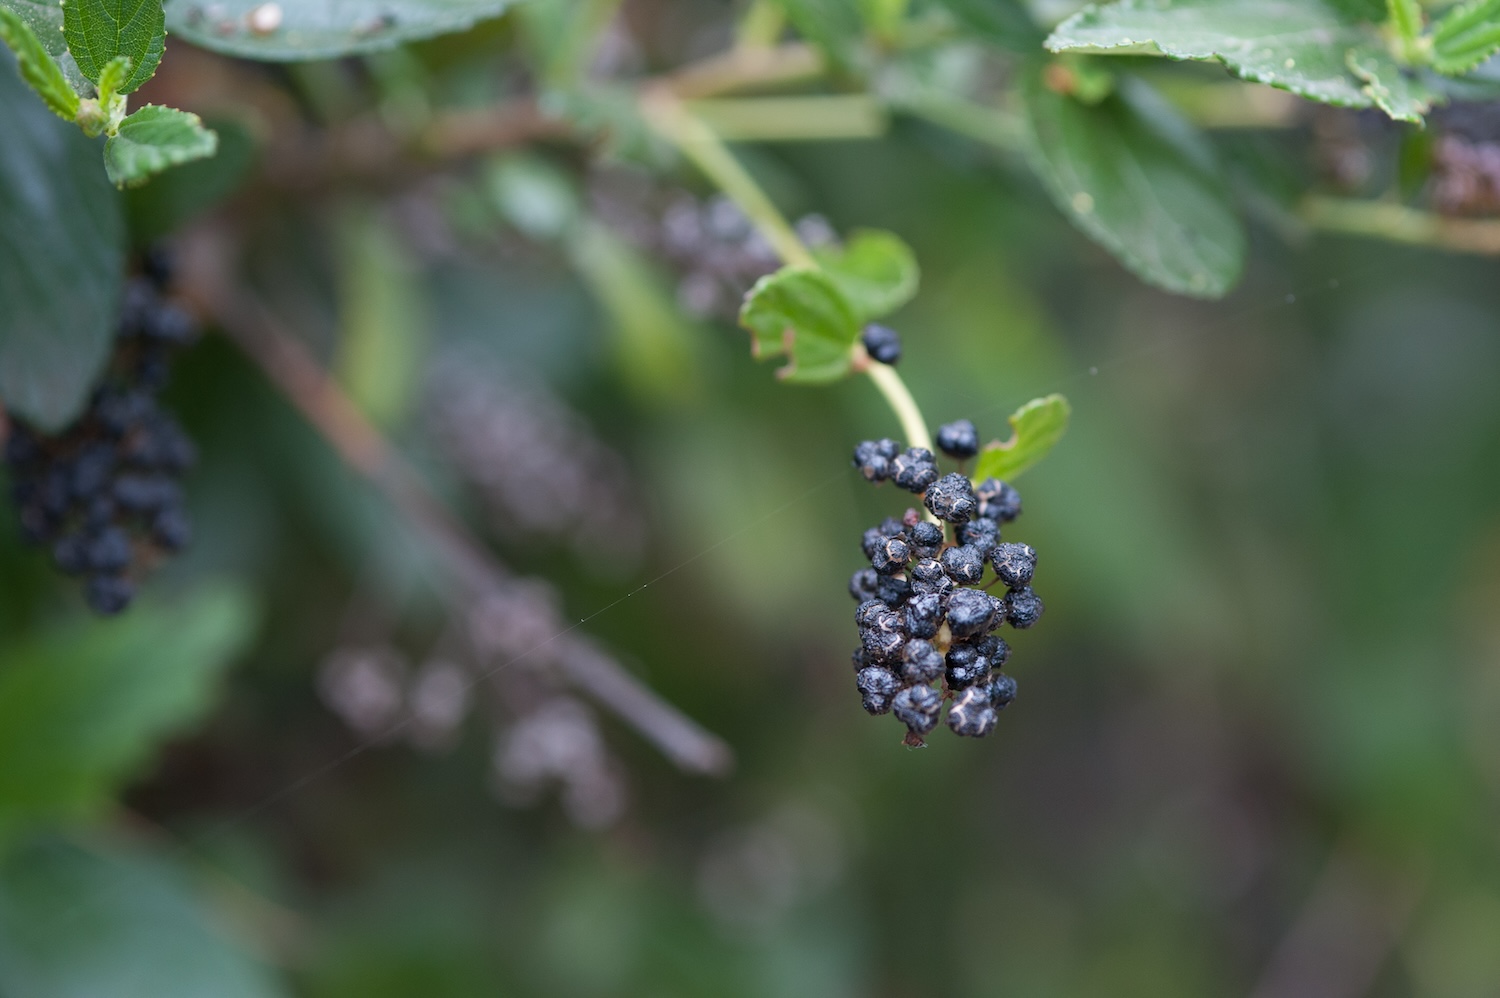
(868,612)
(862,584)
(1015,564)
(994,649)
(998,501)
(884,637)
(971,714)
(893,591)
(970,612)
(926,539)
(918,707)
(981,533)
(1002,691)
(914,469)
(891,555)
(920,662)
(870,462)
(924,615)
(965,665)
(952,498)
(1023,608)
(882,343)
(964,565)
(958,439)
(876,688)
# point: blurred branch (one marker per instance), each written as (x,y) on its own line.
(744,67)
(1398,223)
(473,571)
(1344,934)
(793,119)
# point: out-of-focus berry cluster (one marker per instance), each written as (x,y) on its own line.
(104,494)
(927,620)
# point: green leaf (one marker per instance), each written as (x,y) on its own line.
(82,707)
(320,29)
(37,67)
(835,26)
(114,76)
(98,31)
(1036,428)
(1402,97)
(1005,23)
(1140,181)
(1296,45)
(1406,18)
(801,313)
(80,921)
(173,199)
(1466,36)
(875,270)
(62,254)
(154,139)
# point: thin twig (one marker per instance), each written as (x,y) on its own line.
(473,571)
(1398,223)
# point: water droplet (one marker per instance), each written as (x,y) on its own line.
(1083,202)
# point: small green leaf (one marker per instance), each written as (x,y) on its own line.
(1401,97)
(320,29)
(1296,45)
(1140,181)
(801,313)
(169,202)
(875,270)
(81,707)
(1466,36)
(1035,428)
(1406,18)
(100,30)
(37,67)
(113,78)
(154,139)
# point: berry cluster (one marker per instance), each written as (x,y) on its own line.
(103,494)
(925,613)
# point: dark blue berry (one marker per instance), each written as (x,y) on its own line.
(170,323)
(108,550)
(971,714)
(966,665)
(1015,564)
(893,592)
(918,707)
(862,584)
(871,540)
(90,469)
(891,555)
(868,612)
(998,501)
(118,411)
(887,448)
(1023,608)
(145,493)
(1002,690)
(882,343)
(158,267)
(171,529)
(71,553)
(970,612)
(876,688)
(884,636)
(859,660)
(952,498)
(108,594)
(958,439)
(926,539)
(22,447)
(870,462)
(924,615)
(964,565)
(914,469)
(994,649)
(981,533)
(920,662)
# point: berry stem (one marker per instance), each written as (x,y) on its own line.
(898,397)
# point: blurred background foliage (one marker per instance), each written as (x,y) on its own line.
(1255,749)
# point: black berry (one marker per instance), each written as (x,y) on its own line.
(1023,608)
(971,714)
(876,688)
(924,614)
(882,343)
(1014,563)
(952,498)
(1002,690)
(998,501)
(958,439)
(970,612)
(982,533)
(964,565)
(920,662)
(965,665)
(918,707)
(914,469)
(108,594)
(862,584)
(926,539)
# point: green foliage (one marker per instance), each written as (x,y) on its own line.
(100,31)
(37,66)
(82,706)
(1036,428)
(1138,179)
(97,920)
(61,253)
(803,315)
(1299,45)
(322,29)
(875,270)
(172,200)
(1466,36)
(154,139)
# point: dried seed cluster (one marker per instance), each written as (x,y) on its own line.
(927,620)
